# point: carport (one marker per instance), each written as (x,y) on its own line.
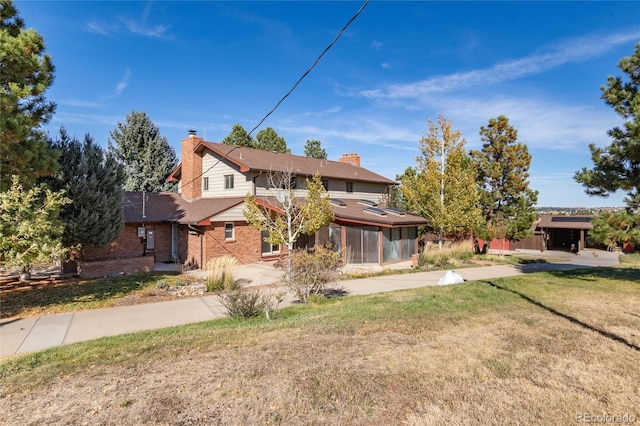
(565,232)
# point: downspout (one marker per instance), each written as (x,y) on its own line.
(200,234)
(253,186)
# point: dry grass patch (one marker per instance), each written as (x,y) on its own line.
(605,298)
(465,354)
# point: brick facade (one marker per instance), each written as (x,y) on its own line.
(129,245)
(197,249)
(101,268)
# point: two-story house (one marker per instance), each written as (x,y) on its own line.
(205,218)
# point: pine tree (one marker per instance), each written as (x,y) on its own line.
(25,74)
(147,157)
(617,166)
(269,140)
(92,180)
(239,137)
(313,149)
(508,204)
(443,190)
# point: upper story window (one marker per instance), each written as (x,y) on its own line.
(228,181)
(229,231)
(205,184)
(349,186)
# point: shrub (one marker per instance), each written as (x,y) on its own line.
(220,271)
(243,304)
(311,272)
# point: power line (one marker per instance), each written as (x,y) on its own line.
(353,18)
(302,77)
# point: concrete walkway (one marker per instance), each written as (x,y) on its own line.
(21,335)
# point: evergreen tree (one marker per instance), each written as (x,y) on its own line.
(614,229)
(30,227)
(444,190)
(269,140)
(147,157)
(239,137)
(313,149)
(92,180)
(617,166)
(508,205)
(25,74)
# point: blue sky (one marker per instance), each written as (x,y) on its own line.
(207,65)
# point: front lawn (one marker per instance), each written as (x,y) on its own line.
(50,297)
(463,354)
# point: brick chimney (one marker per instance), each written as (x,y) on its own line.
(351,159)
(191,175)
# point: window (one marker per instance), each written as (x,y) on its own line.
(325,183)
(228,181)
(268,248)
(205,184)
(349,186)
(229,231)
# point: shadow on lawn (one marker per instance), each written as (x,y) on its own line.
(594,274)
(18,298)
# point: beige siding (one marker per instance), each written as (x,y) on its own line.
(337,189)
(216,172)
(232,215)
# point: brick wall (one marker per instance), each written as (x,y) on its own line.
(198,249)
(101,268)
(246,245)
(191,175)
(128,245)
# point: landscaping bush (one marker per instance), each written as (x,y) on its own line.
(220,271)
(311,272)
(244,304)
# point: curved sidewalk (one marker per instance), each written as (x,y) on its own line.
(36,333)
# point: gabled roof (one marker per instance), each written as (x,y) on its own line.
(251,159)
(170,207)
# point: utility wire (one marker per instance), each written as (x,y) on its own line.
(353,18)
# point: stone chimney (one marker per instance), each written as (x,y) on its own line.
(191,175)
(351,159)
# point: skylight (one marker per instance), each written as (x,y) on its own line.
(368,203)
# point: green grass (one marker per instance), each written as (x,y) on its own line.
(30,299)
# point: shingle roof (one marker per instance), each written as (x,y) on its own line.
(250,159)
(361,212)
(170,207)
(566,222)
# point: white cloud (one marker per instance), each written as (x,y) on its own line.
(98,28)
(566,51)
(541,123)
(375,45)
(143,29)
